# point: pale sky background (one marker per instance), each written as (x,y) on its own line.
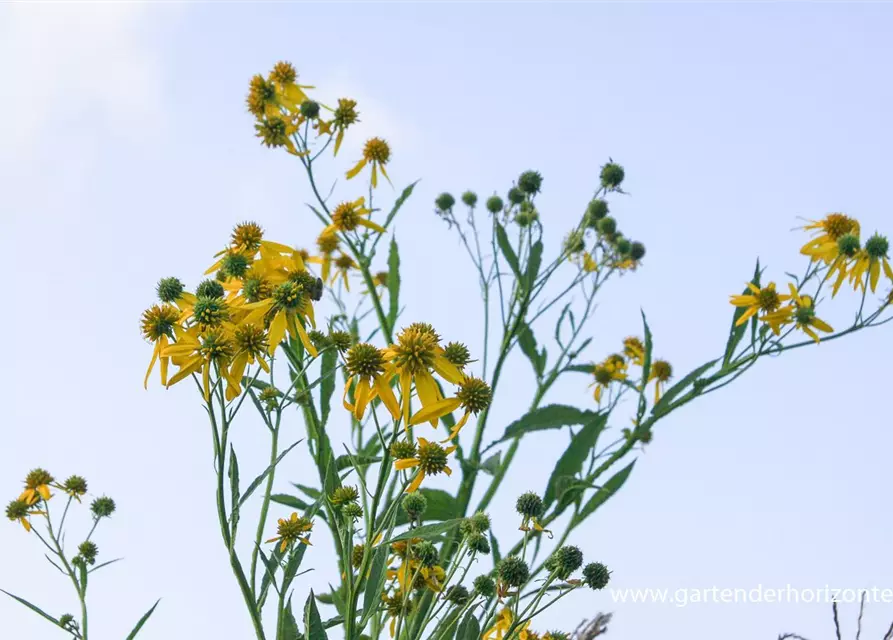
(126,155)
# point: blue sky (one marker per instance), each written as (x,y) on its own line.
(127,155)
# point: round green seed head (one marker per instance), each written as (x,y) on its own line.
(485,585)
(607,226)
(457,594)
(516,196)
(474,394)
(88,550)
(470,198)
(169,289)
(480,521)
(444,202)
(364,360)
(234,265)
(612,175)
(75,485)
(479,543)
(575,242)
(564,561)
(318,339)
(16,509)
(529,505)
(637,251)
(495,204)
(210,312)
(877,246)
(457,354)
(310,109)
(102,507)
(356,556)
(530,182)
(596,575)
(403,449)
(513,571)
(341,339)
(414,504)
(525,218)
(426,553)
(848,245)
(624,247)
(352,510)
(344,495)
(209,289)
(595,211)
(38,477)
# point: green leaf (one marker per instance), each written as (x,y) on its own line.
(289,624)
(507,251)
(325,598)
(607,490)
(327,383)
(33,608)
(494,548)
(571,462)
(343,462)
(271,565)
(375,584)
(311,492)
(441,506)
(313,627)
(104,564)
(527,342)
(290,501)
(294,563)
(551,416)
(393,283)
(256,482)
(233,473)
(737,333)
(142,621)
(663,405)
(491,465)
(427,531)
(399,203)
(534,262)
(649,345)
(469,628)
(580,368)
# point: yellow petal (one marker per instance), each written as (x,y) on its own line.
(435,410)
(277,330)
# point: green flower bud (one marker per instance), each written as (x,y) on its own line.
(344,495)
(529,505)
(88,550)
(480,521)
(356,556)
(341,339)
(66,621)
(607,226)
(848,245)
(457,594)
(877,247)
(513,571)
(457,354)
(485,585)
(596,575)
(559,635)
(310,109)
(75,486)
(234,265)
(595,211)
(17,509)
(624,247)
(564,561)
(478,543)
(426,553)
(470,198)
(414,504)
(352,510)
(637,251)
(530,182)
(403,449)
(209,289)
(516,196)
(575,242)
(444,202)
(495,204)
(612,175)
(169,289)
(102,507)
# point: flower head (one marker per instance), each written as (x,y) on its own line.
(827,232)
(75,486)
(37,486)
(102,507)
(376,153)
(431,460)
(291,530)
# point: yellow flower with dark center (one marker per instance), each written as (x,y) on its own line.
(365,365)
(376,153)
(261,100)
(613,368)
(347,216)
(802,313)
(343,265)
(502,625)
(37,486)
(276,131)
(345,115)
(634,350)
(75,487)
(661,372)
(474,395)
(766,300)
(284,78)
(251,346)
(256,287)
(20,510)
(286,310)
(869,262)
(198,353)
(828,231)
(396,605)
(291,530)
(327,243)
(457,354)
(381,279)
(431,459)
(157,325)
(210,312)
(246,237)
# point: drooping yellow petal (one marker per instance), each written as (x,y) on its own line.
(416,482)
(305,339)
(356,169)
(362,396)
(428,392)
(405,463)
(387,396)
(435,410)
(277,330)
(155,353)
(447,370)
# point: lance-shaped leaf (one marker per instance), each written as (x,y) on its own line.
(553,416)
(375,584)
(441,506)
(571,463)
(142,621)
(399,203)
(527,342)
(313,627)
(663,405)
(427,531)
(289,624)
(290,501)
(33,608)
(469,628)
(736,332)
(233,473)
(507,251)
(327,383)
(605,493)
(393,283)
(256,482)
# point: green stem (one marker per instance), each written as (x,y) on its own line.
(265,506)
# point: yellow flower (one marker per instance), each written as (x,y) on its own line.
(416,353)
(396,605)
(251,347)
(871,260)
(345,115)
(634,350)
(613,368)
(284,78)
(287,309)
(347,216)
(327,243)
(828,231)
(158,324)
(766,300)
(474,395)
(365,365)
(20,510)
(661,372)
(377,153)
(805,318)
(431,459)
(343,264)
(503,623)
(37,486)
(194,352)
(291,530)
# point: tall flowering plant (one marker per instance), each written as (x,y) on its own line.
(318,337)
